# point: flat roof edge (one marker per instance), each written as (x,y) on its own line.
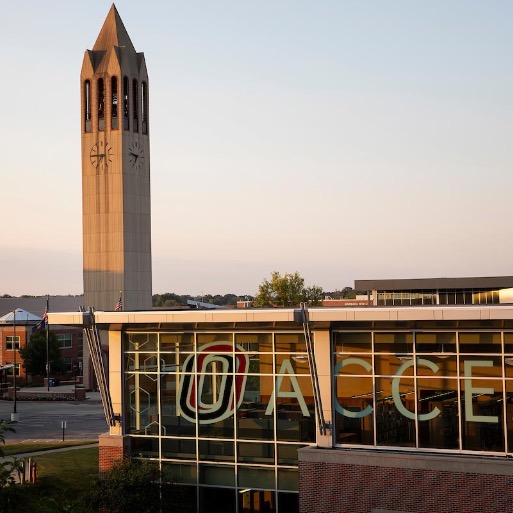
(325,314)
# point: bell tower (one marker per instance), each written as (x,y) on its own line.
(115,171)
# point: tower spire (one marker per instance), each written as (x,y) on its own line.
(113,33)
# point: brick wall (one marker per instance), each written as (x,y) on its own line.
(424,485)
(112,448)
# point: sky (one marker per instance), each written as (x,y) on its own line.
(341,139)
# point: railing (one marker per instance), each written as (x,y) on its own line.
(93,341)
(323,424)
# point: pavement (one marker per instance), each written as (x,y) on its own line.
(54,420)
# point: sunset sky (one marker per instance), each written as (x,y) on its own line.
(341,139)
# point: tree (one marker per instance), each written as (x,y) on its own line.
(34,354)
(134,486)
(287,290)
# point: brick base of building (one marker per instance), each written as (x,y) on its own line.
(365,481)
(112,449)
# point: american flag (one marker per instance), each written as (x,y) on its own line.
(119,304)
(43,323)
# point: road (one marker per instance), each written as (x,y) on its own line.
(42,420)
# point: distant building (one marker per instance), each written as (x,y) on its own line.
(439,291)
(14,335)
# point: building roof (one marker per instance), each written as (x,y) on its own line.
(22,317)
(37,305)
(276,316)
(113,33)
(490,282)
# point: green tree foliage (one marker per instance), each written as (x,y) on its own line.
(287,290)
(170,300)
(34,354)
(8,492)
(134,486)
(346,293)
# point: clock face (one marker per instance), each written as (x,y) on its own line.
(136,155)
(101,155)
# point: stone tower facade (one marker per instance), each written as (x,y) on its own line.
(115,171)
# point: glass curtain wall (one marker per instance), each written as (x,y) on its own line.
(439,390)
(222,413)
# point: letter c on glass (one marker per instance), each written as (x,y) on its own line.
(338,407)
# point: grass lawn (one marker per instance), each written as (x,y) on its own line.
(69,471)
(26,447)
(62,477)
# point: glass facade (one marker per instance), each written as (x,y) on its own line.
(438,297)
(223,413)
(431,390)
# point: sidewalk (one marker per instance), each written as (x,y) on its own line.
(48,451)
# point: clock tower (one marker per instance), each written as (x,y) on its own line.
(115,171)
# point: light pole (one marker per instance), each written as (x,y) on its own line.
(75,371)
(47,360)
(14,414)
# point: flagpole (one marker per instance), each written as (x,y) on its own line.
(47,352)
(14,415)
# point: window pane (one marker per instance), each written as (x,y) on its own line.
(395,410)
(179,472)
(481,366)
(393,342)
(354,407)
(389,365)
(253,420)
(288,501)
(509,413)
(216,500)
(435,342)
(217,475)
(480,342)
(292,364)
(183,342)
(287,453)
(290,343)
(288,480)
(359,365)
(141,415)
(256,453)
(257,342)
(437,409)
(140,341)
(508,343)
(216,451)
(296,412)
(146,447)
(445,364)
(353,342)
(258,501)
(254,477)
(178,448)
(173,422)
(482,413)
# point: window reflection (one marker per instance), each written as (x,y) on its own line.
(447,395)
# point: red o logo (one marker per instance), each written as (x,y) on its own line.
(226,397)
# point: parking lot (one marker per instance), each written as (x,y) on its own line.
(42,420)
